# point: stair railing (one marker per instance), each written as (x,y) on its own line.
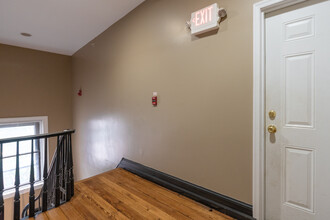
(58,183)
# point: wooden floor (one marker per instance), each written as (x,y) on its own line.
(119,194)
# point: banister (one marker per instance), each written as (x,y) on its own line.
(35,137)
(57,178)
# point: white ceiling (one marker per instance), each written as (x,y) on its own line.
(59,26)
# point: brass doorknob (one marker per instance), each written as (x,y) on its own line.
(272,129)
(272,114)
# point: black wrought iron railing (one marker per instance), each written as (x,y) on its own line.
(58,184)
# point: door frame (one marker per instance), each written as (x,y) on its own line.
(259,90)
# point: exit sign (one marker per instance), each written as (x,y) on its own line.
(204,20)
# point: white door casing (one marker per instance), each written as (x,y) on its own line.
(297,191)
(259,10)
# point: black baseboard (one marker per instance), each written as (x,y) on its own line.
(229,206)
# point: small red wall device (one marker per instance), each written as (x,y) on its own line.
(154,99)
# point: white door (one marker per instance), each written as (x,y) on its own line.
(298,90)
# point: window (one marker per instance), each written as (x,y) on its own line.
(16,127)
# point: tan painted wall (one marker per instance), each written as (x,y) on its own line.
(202,129)
(35,83)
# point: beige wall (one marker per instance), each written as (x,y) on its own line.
(35,83)
(201,130)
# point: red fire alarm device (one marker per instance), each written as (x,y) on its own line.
(154,99)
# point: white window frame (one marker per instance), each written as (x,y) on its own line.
(43,129)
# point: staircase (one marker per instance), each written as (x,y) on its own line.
(58,184)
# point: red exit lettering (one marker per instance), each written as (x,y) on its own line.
(203,16)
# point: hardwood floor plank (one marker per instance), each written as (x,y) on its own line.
(121,195)
(71,212)
(56,214)
(126,210)
(164,195)
(40,216)
(100,201)
(147,209)
(85,204)
(159,202)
